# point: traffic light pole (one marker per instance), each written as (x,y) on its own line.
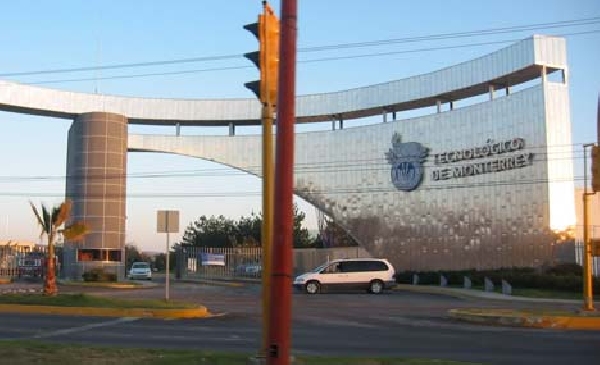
(266,30)
(588,300)
(280,322)
(267,218)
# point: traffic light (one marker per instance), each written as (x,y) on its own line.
(595,169)
(266,30)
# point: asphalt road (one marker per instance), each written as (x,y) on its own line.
(393,324)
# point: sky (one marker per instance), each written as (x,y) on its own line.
(49,35)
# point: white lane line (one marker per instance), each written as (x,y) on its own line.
(86,327)
(337,322)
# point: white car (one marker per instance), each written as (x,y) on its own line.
(140,270)
(373,275)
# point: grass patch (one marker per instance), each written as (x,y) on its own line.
(35,352)
(87,300)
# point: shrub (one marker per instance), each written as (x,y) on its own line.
(564,277)
(566,269)
(99,274)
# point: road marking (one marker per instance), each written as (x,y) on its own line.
(86,327)
(230,338)
(303,352)
(336,322)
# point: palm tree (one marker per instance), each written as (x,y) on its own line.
(50,223)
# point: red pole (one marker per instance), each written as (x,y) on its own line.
(280,316)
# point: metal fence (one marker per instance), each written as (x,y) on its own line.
(15,259)
(579,259)
(206,262)
(236,263)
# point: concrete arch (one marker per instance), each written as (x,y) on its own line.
(515,64)
(452,220)
(187,146)
(447,222)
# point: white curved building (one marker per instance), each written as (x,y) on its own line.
(485,185)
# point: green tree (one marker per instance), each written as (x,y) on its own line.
(246,232)
(51,221)
(132,254)
(301,236)
(160,261)
(332,235)
(210,232)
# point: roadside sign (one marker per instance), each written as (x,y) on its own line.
(212,259)
(167,221)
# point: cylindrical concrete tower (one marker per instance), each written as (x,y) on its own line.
(96,169)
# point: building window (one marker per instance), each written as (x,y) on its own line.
(98,254)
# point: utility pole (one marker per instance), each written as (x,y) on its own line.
(280,321)
(588,250)
(588,300)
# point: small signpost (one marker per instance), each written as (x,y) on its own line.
(167,221)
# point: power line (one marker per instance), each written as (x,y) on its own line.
(376,43)
(371,164)
(443,36)
(379,165)
(430,49)
(314,193)
(315,60)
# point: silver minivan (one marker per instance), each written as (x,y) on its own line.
(373,275)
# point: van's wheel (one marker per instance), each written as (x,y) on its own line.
(376,287)
(312,287)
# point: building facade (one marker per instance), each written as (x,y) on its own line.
(484,185)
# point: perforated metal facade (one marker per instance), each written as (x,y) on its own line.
(501,212)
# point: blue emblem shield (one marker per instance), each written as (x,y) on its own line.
(407,163)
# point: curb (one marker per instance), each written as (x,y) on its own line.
(231,283)
(432,290)
(21,291)
(172,313)
(514,318)
(109,285)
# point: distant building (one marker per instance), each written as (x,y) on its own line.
(23,246)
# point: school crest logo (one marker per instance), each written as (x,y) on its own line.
(407,163)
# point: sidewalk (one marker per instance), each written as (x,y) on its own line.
(229,281)
(480,294)
(533,318)
(109,285)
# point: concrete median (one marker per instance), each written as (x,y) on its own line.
(171,313)
(525,318)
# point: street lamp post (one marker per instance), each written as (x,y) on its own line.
(588,300)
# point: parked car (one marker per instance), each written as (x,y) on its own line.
(371,274)
(32,264)
(253,269)
(140,270)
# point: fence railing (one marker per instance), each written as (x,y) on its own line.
(228,262)
(16,261)
(579,258)
(236,263)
